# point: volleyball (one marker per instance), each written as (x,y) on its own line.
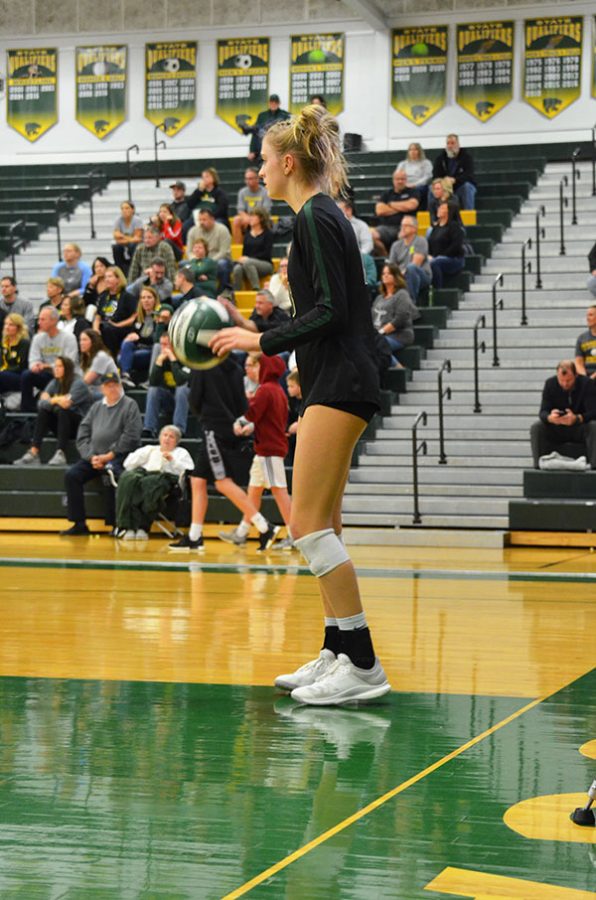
(192,327)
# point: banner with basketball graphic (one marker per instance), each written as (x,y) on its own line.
(317,67)
(552,66)
(242,80)
(485,67)
(101,88)
(419,71)
(31,99)
(171,84)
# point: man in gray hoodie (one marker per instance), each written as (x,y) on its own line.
(110,430)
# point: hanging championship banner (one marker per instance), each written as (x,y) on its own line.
(485,67)
(32,97)
(170,84)
(594,58)
(419,62)
(317,67)
(552,66)
(242,80)
(101,88)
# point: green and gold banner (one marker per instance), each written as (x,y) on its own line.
(317,67)
(31,98)
(419,64)
(242,80)
(552,70)
(594,57)
(170,84)
(101,88)
(485,67)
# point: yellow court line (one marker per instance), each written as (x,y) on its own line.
(341,826)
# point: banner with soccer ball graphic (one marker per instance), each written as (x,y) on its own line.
(484,67)
(101,88)
(170,85)
(317,67)
(419,71)
(242,80)
(31,104)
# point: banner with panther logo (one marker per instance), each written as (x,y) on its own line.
(101,88)
(419,71)
(317,67)
(242,80)
(485,67)
(31,103)
(171,84)
(553,61)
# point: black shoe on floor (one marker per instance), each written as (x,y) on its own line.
(76,530)
(185,543)
(268,537)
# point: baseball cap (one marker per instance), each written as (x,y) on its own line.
(179,184)
(110,378)
(274,98)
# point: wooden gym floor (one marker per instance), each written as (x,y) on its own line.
(144,754)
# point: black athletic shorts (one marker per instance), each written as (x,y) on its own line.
(361,408)
(218,458)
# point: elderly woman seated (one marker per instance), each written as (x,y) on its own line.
(149,475)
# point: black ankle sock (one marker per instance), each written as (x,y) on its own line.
(358,646)
(332,639)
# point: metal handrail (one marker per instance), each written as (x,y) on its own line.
(563,204)
(58,201)
(540,233)
(480,323)
(416,448)
(525,268)
(496,304)
(128,168)
(156,145)
(91,176)
(446,367)
(16,230)
(575,176)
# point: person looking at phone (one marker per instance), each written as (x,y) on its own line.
(567,415)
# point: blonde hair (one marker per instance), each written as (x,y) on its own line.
(122,282)
(421,153)
(141,314)
(18,320)
(312,137)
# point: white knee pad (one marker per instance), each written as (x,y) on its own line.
(323,551)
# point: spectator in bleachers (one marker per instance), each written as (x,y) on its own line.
(317,100)
(154,276)
(61,406)
(457,164)
(72,270)
(179,202)
(72,316)
(279,286)
(208,195)
(273,113)
(128,234)
(108,433)
(204,268)
(95,361)
(136,347)
(96,285)
(150,473)
(567,414)
(585,348)
(418,171)
(168,390)
(55,294)
(251,195)
(14,353)
(393,312)
(46,346)
(592,278)
(11,302)
(361,229)
(171,229)
(257,252)
(153,246)
(441,191)
(446,244)
(185,286)
(410,254)
(219,244)
(393,205)
(294,411)
(265,315)
(116,310)
(251,374)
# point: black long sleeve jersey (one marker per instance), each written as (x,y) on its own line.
(331,329)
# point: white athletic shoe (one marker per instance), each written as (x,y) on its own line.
(343,682)
(141,535)
(308,673)
(129,535)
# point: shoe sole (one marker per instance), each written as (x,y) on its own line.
(271,541)
(353,696)
(186,549)
(229,540)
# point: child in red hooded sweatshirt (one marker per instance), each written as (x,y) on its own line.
(266,418)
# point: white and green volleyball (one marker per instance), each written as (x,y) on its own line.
(192,327)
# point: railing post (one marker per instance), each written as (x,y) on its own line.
(416,447)
(540,233)
(525,267)
(497,304)
(13,232)
(156,145)
(480,323)
(63,198)
(446,367)
(128,168)
(575,176)
(91,175)
(563,204)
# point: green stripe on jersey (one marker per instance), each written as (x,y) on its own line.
(314,236)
